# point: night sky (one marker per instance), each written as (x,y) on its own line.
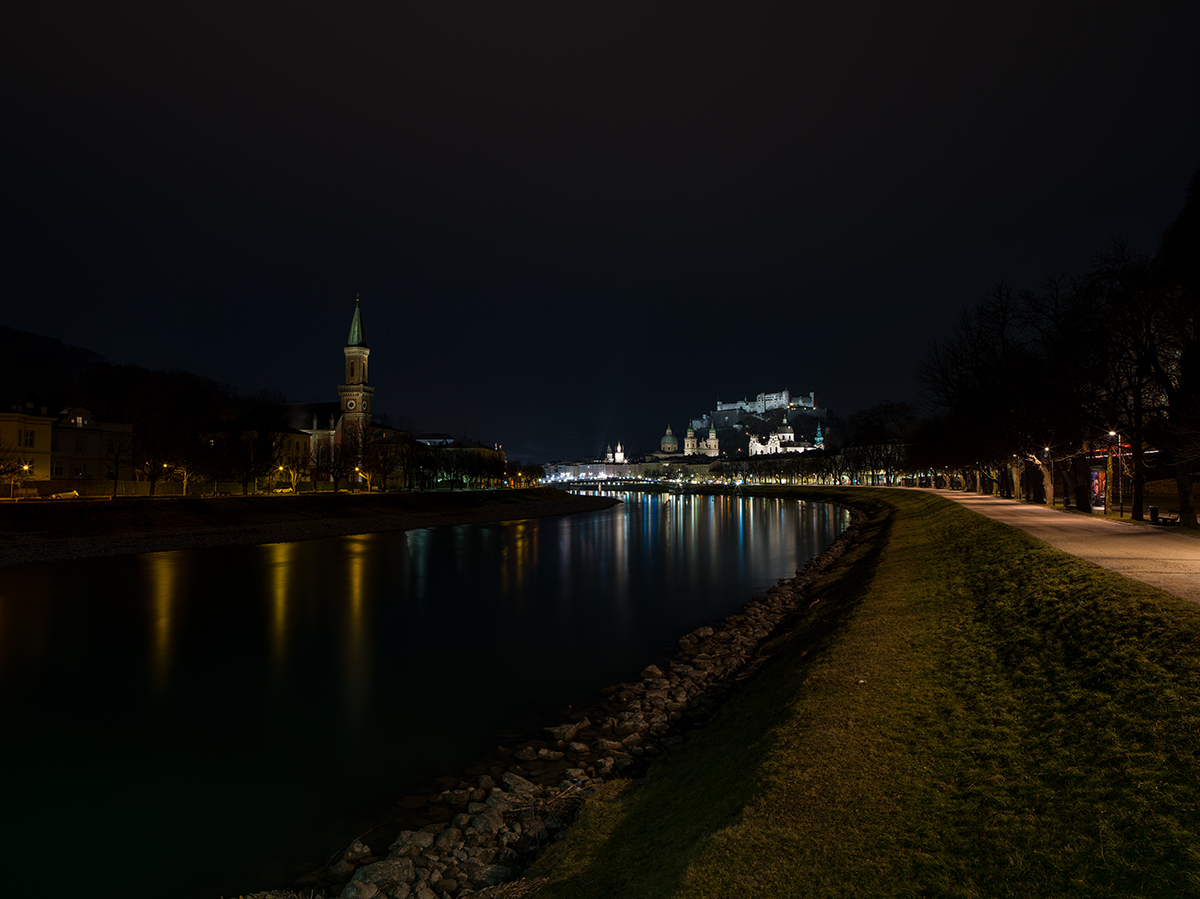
(571,225)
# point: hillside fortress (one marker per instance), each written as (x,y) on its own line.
(767,401)
(777,408)
(728,415)
(759,427)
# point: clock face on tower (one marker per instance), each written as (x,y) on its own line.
(350,404)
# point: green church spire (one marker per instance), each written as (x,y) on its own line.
(356,329)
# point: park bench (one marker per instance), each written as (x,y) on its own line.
(1157,516)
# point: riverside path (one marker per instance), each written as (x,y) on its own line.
(1166,559)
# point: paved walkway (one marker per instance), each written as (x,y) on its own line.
(1165,559)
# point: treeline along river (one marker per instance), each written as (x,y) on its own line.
(195,723)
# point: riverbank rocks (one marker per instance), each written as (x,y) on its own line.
(483,831)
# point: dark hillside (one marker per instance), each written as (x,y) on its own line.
(41,369)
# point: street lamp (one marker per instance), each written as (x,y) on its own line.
(24,475)
(1114,437)
(362,474)
(1050,459)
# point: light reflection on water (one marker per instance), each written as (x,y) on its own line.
(164,595)
(280,557)
(215,716)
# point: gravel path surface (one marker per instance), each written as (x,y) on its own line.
(1161,557)
(25,550)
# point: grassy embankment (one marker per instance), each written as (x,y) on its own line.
(963,712)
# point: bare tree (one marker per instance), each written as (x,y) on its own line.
(295,460)
(186,470)
(252,454)
(117,451)
(386,456)
(13,465)
(154,469)
(334,461)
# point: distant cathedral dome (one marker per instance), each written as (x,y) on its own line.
(670,443)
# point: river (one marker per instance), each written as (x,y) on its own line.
(193,724)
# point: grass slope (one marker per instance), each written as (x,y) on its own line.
(964,711)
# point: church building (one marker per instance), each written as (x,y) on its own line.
(617,458)
(709,446)
(349,424)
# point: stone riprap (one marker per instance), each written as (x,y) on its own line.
(485,827)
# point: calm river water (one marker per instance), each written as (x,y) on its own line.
(194,724)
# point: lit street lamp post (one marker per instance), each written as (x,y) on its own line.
(362,474)
(12,482)
(1050,459)
(1114,437)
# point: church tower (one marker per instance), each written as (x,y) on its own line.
(712,446)
(355,394)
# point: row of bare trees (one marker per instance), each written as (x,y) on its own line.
(1045,377)
(387,459)
(377,458)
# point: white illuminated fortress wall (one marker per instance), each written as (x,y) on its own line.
(767,401)
(615,463)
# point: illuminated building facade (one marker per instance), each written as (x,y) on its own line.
(765,402)
(709,446)
(781,440)
(728,415)
(25,442)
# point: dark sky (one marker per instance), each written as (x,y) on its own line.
(572,224)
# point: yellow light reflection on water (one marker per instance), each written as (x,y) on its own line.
(519,556)
(282,556)
(355,647)
(163,611)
